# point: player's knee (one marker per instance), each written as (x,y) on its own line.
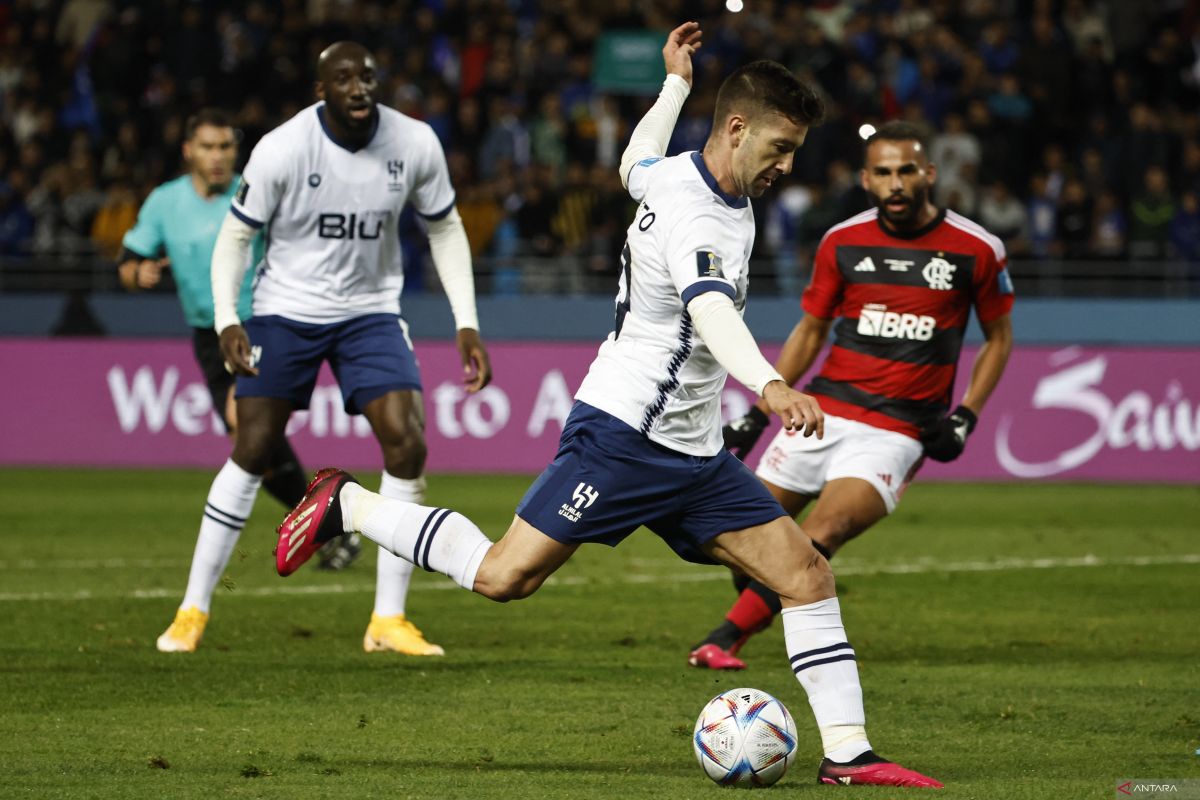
(809,581)
(507,583)
(404,452)
(832,531)
(252,449)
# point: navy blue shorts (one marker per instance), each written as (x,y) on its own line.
(607,479)
(370,356)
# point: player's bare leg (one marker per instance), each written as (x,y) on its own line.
(754,608)
(436,539)
(284,479)
(398,420)
(846,508)
(783,558)
(517,565)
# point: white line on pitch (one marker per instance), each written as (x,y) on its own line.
(924,566)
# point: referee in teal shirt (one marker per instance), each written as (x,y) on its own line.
(176,228)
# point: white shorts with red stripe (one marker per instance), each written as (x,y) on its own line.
(885,459)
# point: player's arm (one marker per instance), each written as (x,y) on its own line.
(801,349)
(452,259)
(230,260)
(649,139)
(945,439)
(729,340)
(989,363)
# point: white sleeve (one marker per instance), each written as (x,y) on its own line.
(452,259)
(649,140)
(263,183)
(433,194)
(730,341)
(230,259)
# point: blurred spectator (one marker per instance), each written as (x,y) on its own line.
(1185,230)
(1109,227)
(507,140)
(1074,221)
(16,223)
(1043,222)
(1004,215)
(1151,215)
(535,215)
(548,135)
(783,228)
(573,216)
(117,215)
(954,148)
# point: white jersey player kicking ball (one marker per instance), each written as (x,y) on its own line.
(642,445)
(329,185)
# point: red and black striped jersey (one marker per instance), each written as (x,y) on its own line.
(904,301)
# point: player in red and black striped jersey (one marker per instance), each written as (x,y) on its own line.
(901,280)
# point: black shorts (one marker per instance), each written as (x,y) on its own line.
(206,346)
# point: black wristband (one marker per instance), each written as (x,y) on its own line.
(968,415)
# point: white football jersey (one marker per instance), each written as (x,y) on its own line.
(331,213)
(653,372)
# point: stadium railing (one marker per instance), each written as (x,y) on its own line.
(576,276)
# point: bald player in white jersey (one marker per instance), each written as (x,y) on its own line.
(642,445)
(329,186)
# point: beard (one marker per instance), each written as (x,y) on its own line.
(907,216)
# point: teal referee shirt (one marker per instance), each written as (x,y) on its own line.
(177,221)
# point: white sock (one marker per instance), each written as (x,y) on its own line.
(230,501)
(824,664)
(393,573)
(435,539)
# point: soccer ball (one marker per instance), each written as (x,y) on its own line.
(745,737)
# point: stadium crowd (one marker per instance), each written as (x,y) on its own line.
(1068,127)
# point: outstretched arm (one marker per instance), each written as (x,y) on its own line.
(653,132)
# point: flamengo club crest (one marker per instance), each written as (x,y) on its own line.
(939,273)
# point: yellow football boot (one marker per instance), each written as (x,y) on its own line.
(185,632)
(397,635)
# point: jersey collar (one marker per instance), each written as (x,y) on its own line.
(731,200)
(339,143)
(918,233)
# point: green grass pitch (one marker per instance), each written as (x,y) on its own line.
(1016,641)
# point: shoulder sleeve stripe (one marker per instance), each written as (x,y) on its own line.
(978,231)
(435,216)
(700,287)
(251,221)
(857,219)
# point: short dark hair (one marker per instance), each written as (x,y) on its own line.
(767,86)
(900,131)
(217,117)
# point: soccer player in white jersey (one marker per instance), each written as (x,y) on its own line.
(329,186)
(642,444)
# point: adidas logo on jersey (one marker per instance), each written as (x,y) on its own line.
(866,265)
(876,320)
